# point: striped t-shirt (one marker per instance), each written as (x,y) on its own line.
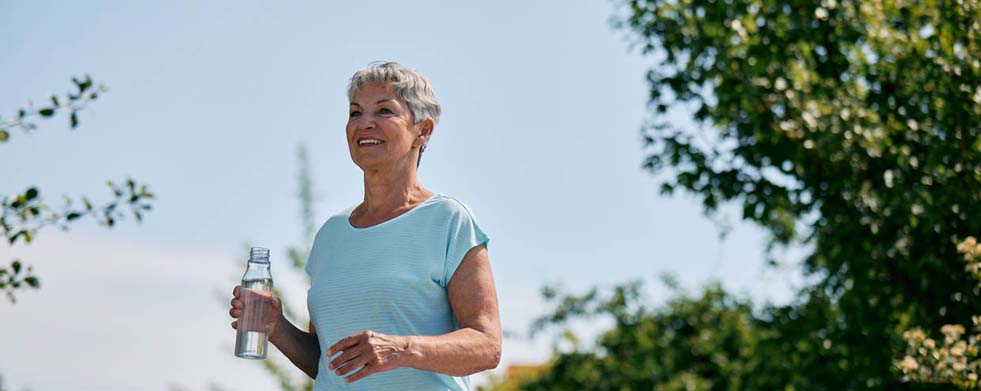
(389,278)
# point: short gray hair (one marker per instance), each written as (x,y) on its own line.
(406,83)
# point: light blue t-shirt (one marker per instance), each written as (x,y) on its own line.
(389,278)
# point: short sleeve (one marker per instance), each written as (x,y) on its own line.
(314,254)
(309,267)
(464,234)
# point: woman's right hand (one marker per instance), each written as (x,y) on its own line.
(266,310)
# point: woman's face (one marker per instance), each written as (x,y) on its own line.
(380,132)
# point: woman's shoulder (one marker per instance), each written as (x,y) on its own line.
(337,217)
(450,205)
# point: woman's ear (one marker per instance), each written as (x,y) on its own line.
(425,128)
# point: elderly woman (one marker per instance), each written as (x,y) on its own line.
(402,296)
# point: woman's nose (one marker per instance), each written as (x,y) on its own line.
(364,122)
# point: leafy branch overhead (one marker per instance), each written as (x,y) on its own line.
(12,278)
(71,103)
(22,215)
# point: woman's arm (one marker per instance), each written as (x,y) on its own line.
(300,347)
(475,347)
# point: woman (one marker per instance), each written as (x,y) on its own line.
(402,296)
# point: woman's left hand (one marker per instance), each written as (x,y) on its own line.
(370,351)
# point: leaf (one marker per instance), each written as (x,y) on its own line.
(46,112)
(72,216)
(115,189)
(13,239)
(54,100)
(31,193)
(74,119)
(4,135)
(85,84)
(16,267)
(33,282)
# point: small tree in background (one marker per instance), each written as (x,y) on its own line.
(280,368)
(276,365)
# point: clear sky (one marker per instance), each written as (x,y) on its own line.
(207,103)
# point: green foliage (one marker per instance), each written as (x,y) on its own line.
(12,279)
(23,215)
(849,128)
(706,342)
(846,128)
(956,359)
(72,103)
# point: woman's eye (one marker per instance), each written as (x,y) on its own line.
(355,113)
(385,111)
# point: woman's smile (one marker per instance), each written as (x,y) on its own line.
(369,142)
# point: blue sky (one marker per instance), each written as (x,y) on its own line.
(207,104)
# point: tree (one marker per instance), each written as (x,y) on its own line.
(699,343)
(23,215)
(846,128)
(284,372)
(276,365)
(849,128)
(711,341)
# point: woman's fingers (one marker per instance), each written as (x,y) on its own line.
(235,324)
(348,342)
(348,355)
(352,365)
(364,372)
(236,303)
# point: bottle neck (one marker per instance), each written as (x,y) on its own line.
(259,263)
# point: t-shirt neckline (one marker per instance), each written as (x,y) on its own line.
(347,218)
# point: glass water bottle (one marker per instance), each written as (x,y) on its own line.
(257,284)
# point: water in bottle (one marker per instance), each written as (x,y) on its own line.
(257,284)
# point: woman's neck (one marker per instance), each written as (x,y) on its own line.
(389,191)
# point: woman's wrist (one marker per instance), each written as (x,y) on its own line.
(278,331)
(410,351)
